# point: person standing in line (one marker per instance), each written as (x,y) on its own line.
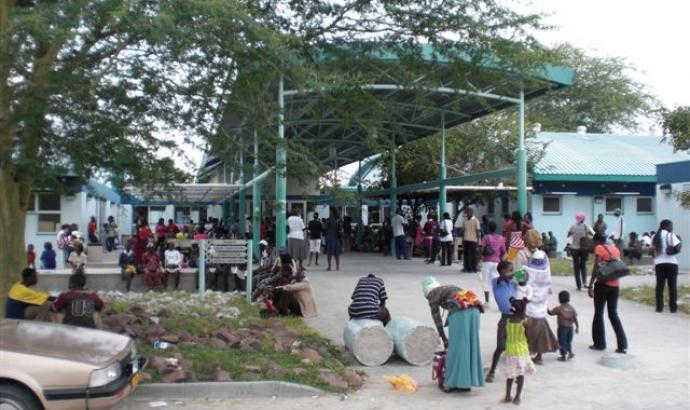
(446,240)
(91,228)
(605,294)
(48,257)
(110,235)
(617,235)
(30,256)
(296,246)
(334,237)
(492,251)
(428,234)
(665,246)
(577,232)
(315,229)
(142,236)
(62,242)
(505,289)
(600,226)
(398,226)
(471,234)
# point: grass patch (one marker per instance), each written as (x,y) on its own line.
(646,294)
(181,313)
(564,267)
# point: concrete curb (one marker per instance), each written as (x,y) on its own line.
(224,390)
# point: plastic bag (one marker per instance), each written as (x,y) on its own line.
(403,383)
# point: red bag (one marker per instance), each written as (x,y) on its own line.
(438,369)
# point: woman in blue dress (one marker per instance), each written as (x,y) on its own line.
(334,236)
(463,360)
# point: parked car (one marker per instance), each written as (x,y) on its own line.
(54,366)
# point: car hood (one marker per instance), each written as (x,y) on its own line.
(77,344)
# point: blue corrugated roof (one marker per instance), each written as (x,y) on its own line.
(593,156)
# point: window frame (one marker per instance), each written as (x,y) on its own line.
(38,212)
(560,204)
(621,198)
(651,205)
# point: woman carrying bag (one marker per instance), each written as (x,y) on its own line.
(580,248)
(665,246)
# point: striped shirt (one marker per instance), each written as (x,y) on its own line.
(367,297)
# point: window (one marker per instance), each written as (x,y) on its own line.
(505,205)
(47,207)
(613,203)
(551,205)
(156,213)
(644,205)
(490,207)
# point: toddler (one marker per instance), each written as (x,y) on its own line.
(567,317)
(517,362)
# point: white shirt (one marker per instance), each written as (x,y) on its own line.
(618,229)
(296,226)
(397,225)
(646,241)
(446,225)
(667,238)
(173,257)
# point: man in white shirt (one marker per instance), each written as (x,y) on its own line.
(296,245)
(173,261)
(397,223)
(617,235)
(666,245)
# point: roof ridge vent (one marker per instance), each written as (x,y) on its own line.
(581,130)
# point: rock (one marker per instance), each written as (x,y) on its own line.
(175,376)
(155,320)
(332,379)
(155,331)
(228,337)
(158,363)
(250,344)
(188,344)
(251,377)
(353,379)
(170,338)
(164,313)
(186,364)
(210,368)
(256,326)
(130,331)
(312,355)
(298,371)
(115,322)
(216,343)
(190,377)
(221,376)
(184,336)
(253,369)
(274,370)
(145,377)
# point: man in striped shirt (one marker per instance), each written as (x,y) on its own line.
(369,300)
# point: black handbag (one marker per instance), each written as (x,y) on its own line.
(587,242)
(613,268)
(670,249)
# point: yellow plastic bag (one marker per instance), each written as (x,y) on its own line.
(403,383)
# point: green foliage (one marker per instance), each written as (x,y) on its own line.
(676,125)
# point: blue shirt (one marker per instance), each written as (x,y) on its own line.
(48,259)
(503,292)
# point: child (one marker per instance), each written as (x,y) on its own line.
(80,305)
(30,256)
(567,316)
(524,290)
(48,256)
(518,362)
(504,289)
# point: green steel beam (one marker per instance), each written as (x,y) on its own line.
(256,200)
(359,202)
(522,160)
(442,200)
(243,197)
(393,192)
(281,170)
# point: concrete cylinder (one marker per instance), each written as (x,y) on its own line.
(368,341)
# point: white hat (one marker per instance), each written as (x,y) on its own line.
(428,284)
(263,242)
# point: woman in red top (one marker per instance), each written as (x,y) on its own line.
(91,229)
(172,228)
(605,294)
(143,234)
(153,275)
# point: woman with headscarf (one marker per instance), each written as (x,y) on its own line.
(579,253)
(463,361)
(531,243)
(540,337)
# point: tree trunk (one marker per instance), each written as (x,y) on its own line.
(12,218)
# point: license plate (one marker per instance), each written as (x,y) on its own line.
(135,381)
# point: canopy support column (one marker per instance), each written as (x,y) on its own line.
(360,228)
(442,200)
(522,160)
(394,192)
(243,198)
(256,200)
(281,171)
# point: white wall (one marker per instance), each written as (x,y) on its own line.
(669,208)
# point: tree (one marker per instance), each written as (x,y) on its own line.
(676,125)
(95,88)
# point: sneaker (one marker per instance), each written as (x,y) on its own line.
(571,355)
(561,359)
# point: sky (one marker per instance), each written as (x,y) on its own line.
(652,36)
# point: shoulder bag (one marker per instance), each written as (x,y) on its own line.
(670,249)
(587,242)
(613,268)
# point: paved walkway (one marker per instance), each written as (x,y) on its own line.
(659,350)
